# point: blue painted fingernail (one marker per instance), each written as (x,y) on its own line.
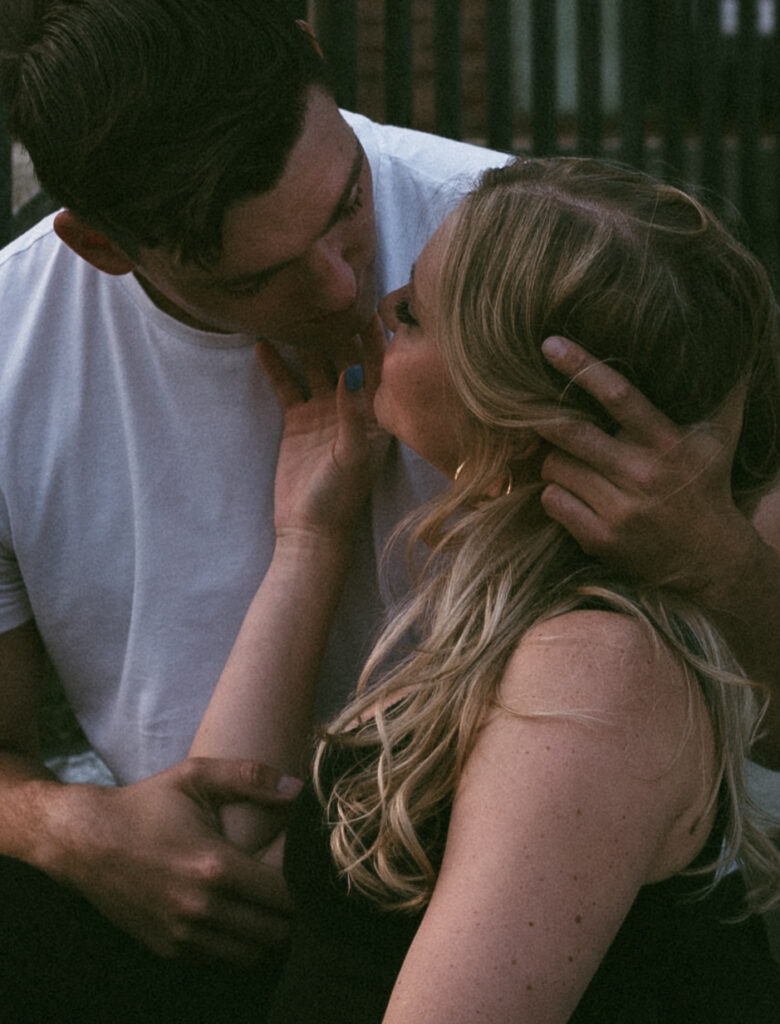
(353,377)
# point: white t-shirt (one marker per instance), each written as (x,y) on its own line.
(137,461)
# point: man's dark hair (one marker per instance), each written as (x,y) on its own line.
(148,118)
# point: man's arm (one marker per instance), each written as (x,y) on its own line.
(656,500)
(150,855)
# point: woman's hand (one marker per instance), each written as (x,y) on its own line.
(332,446)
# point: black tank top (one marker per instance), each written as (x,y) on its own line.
(675,960)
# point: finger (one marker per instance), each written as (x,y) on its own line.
(347,352)
(283,381)
(580,480)
(235,937)
(577,518)
(352,414)
(272,932)
(588,443)
(624,403)
(373,342)
(255,884)
(319,371)
(217,780)
(728,419)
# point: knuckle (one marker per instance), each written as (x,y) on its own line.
(182,938)
(189,771)
(645,478)
(208,869)
(617,393)
(255,774)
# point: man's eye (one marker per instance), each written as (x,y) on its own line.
(350,211)
(245,291)
(404,314)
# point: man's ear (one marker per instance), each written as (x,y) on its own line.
(306,28)
(91,245)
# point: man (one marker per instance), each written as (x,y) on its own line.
(212,193)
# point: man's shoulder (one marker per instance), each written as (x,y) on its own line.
(421,154)
(34,243)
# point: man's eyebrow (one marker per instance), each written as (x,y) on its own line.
(412,289)
(354,174)
(261,276)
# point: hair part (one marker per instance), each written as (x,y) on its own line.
(643,276)
(149,118)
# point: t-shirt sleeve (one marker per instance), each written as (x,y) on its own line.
(15,606)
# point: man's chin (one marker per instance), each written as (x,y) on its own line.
(330,333)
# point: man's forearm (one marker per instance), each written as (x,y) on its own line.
(27,792)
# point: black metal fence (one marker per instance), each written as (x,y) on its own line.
(698,86)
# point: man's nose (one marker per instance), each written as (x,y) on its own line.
(333,278)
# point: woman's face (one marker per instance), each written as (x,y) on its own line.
(416,400)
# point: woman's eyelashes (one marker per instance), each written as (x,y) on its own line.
(404,313)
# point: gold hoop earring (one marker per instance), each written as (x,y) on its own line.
(510,482)
(459,470)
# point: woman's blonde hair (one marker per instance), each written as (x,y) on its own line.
(645,277)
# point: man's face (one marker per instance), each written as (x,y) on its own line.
(297,262)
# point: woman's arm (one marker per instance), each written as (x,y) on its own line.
(262,705)
(556,825)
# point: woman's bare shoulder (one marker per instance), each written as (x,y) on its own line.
(612,671)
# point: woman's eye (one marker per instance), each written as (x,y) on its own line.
(404,314)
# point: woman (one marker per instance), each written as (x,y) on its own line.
(524,812)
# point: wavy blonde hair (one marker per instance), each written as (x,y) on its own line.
(644,276)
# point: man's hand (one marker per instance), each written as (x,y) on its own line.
(654,499)
(150,857)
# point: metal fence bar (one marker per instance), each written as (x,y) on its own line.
(589,115)
(299,9)
(448,84)
(338,34)
(673,72)
(399,68)
(774,245)
(749,117)
(632,93)
(699,103)
(543,101)
(498,72)
(6,182)
(710,78)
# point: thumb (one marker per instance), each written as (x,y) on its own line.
(728,419)
(373,341)
(217,781)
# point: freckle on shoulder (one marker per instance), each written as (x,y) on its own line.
(586,656)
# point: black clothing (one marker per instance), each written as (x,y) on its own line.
(674,960)
(62,962)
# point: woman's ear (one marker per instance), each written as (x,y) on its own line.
(92,246)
